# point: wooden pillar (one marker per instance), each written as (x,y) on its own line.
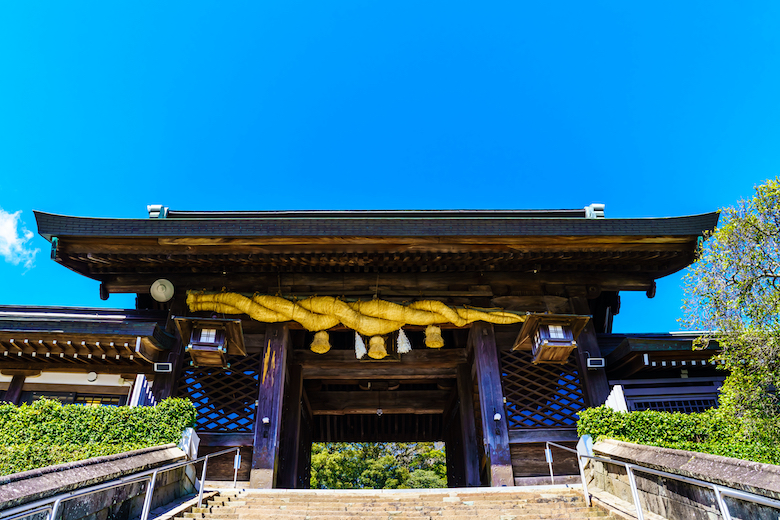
(14,393)
(304,452)
(594,381)
(288,476)
(468,426)
(491,399)
(268,415)
(165,384)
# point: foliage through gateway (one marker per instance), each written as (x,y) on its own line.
(392,465)
(47,432)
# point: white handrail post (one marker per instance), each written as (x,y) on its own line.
(585,493)
(634,492)
(724,509)
(148,498)
(202,481)
(236,465)
(548,456)
(55,509)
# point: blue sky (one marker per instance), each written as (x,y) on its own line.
(656,109)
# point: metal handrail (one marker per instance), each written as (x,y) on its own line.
(52,505)
(720,491)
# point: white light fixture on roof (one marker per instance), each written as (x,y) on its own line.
(157,211)
(594,211)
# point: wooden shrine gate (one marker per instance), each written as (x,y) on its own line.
(374,273)
(453,395)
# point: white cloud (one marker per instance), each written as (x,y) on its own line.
(14,240)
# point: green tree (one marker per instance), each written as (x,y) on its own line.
(377,465)
(733,295)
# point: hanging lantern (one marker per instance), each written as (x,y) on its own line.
(210,340)
(549,337)
(376,348)
(321,342)
(433,337)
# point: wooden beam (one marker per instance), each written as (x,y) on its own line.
(594,381)
(79,368)
(543,435)
(468,426)
(495,434)
(417,364)
(337,283)
(392,402)
(268,415)
(226,439)
(288,472)
(346,361)
(14,393)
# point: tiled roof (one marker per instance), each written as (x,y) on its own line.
(73,321)
(371,224)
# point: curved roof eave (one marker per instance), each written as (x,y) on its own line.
(413,224)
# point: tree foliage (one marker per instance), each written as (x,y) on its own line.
(377,466)
(733,295)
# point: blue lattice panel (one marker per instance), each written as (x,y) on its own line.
(224,397)
(540,396)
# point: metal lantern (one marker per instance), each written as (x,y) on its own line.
(550,337)
(211,340)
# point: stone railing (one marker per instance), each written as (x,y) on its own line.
(674,499)
(32,486)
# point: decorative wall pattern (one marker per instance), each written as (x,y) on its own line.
(540,396)
(224,397)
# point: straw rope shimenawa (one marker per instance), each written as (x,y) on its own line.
(370,318)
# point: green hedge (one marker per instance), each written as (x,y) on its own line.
(712,432)
(48,432)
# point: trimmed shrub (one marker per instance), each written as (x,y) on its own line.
(712,432)
(47,432)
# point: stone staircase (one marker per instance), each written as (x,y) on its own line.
(462,504)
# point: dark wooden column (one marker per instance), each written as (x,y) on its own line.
(291,426)
(165,384)
(269,406)
(468,426)
(491,399)
(14,393)
(594,382)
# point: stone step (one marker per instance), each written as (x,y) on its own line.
(590,513)
(365,500)
(391,505)
(474,514)
(445,505)
(368,511)
(506,515)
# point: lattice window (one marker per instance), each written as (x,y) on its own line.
(676,405)
(224,397)
(540,396)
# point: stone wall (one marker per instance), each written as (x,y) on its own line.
(674,499)
(121,503)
